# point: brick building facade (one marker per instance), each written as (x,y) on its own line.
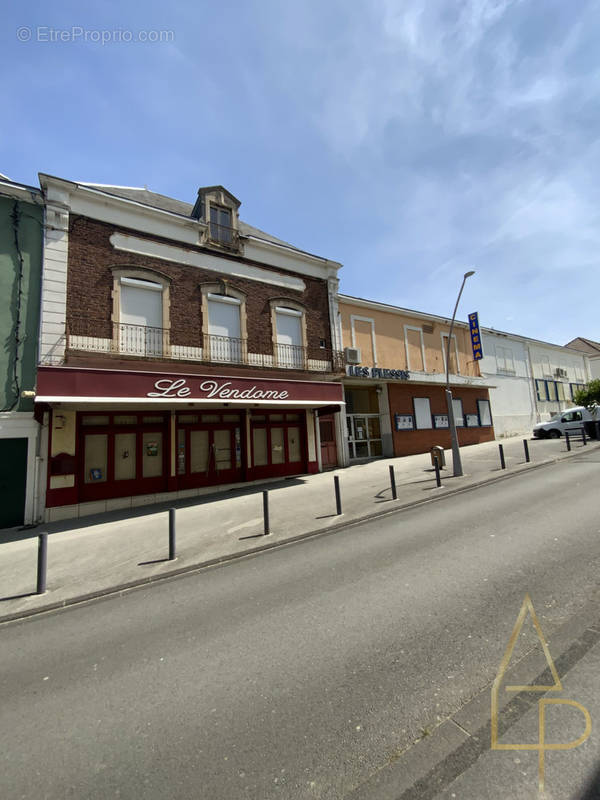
(92,260)
(182,349)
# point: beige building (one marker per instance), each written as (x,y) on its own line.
(395,381)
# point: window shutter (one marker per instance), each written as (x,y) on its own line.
(224,317)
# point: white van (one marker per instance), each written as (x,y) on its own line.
(567,420)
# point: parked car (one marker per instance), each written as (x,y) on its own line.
(567,420)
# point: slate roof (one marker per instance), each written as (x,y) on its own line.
(161,201)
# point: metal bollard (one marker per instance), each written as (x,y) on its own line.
(266,513)
(338,497)
(393,483)
(438,479)
(502,461)
(172,554)
(583,436)
(42,562)
(526,448)
(568,438)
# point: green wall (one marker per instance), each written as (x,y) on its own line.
(27,219)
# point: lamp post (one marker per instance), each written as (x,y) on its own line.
(456,462)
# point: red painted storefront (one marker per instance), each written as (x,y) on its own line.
(115,433)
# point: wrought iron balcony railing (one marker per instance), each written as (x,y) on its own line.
(223,235)
(99,336)
(225,349)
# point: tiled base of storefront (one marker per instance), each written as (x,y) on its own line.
(78,510)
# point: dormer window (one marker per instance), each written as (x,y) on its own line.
(218,210)
(221,229)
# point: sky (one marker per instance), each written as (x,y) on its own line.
(410,140)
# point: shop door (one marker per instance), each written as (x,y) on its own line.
(208,455)
(278,446)
(364,435)
(13,477)
(328,445)
(121,461)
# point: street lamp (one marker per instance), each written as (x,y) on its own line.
(456,462)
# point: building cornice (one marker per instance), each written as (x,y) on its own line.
(529,341)
(20,191)
(96,204)
(405,312)
(362,303)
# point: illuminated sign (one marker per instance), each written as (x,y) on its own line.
(475,336)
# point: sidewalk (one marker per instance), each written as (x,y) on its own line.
(572,774)
(100,554)
(456,762)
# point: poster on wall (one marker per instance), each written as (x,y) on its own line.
(404,422)
(151,448)
(472,420)
(485,415)
(96,474)
(440,421)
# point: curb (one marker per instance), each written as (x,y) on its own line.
(121,588)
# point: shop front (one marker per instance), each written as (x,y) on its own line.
(368,429)
(419,414)
(398,412)
(115,436)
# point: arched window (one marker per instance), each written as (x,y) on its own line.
(288,319)
(140,312)
(224,323)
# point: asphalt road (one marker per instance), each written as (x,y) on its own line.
(299,672)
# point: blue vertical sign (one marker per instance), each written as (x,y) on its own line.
(475,336)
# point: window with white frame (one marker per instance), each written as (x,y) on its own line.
(140,312)
(415,348)
(289,326)
(363,338)
(504,359)
(454,364)
(224,328)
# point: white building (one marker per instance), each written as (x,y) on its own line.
(532,379)
(591,349)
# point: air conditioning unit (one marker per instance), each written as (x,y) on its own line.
(560,373)
(352,355)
